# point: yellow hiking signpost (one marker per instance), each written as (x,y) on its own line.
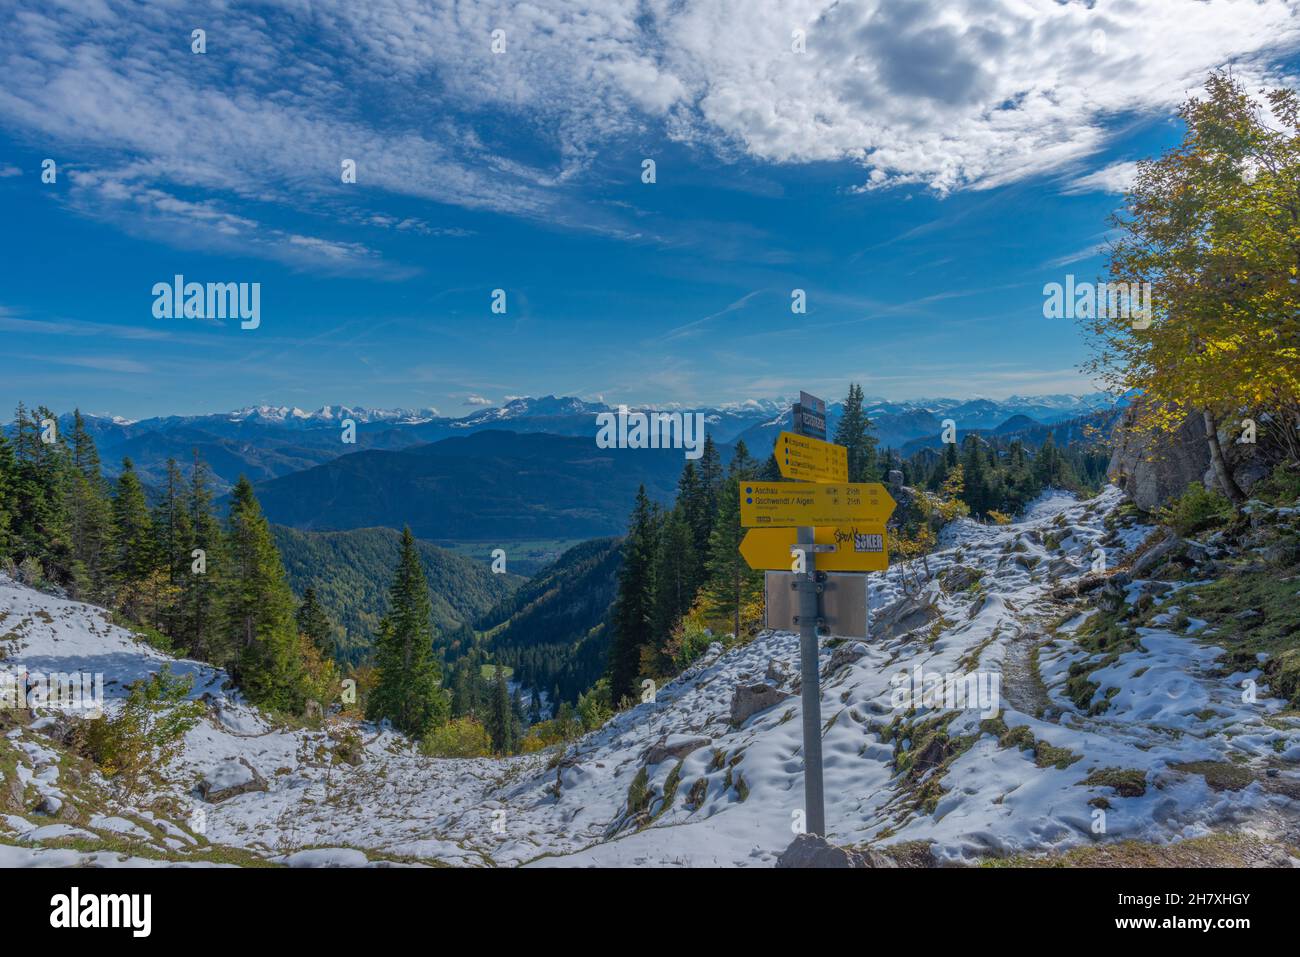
(798,531)
(778,504)
(857,548)
(805,459)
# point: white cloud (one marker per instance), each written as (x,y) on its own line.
(951,94)
(477,400)
(1115,178)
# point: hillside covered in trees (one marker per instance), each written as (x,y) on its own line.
(350,573)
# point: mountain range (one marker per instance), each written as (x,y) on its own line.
(266,442)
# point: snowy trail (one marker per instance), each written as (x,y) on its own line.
(1028,772)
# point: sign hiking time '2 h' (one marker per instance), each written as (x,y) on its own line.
(778,504)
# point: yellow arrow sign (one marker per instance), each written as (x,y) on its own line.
(777,504)
(811,460)
(858,548)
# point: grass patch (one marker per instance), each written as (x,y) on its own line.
(1050,756)
(1128,782)
(1219,775)
(1214,850)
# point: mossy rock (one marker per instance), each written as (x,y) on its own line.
(1219,775)
(1050,756)
(1126,782)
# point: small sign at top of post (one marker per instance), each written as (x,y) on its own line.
(809,416)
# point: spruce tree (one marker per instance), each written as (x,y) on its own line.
(500,723)
(854,433)
(731,583)
(409,691)
(975,492)
(258,609)
(8,481)
(1047,464)
(39,519)
(201,625)
(633,614)
(173,533)
(675,580)
(314,624)
(90,523)
(134,548)
(711,473)
(699,510)
(742,465)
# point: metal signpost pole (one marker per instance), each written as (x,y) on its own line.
(809,615)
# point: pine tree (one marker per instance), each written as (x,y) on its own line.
(500,723)
(409,691)
(1047,465)
(974,478)
(676,583)
(732,583)
(8,483)
(134,551)
(201,626)
(39,519)
(854,433)
(711,474)
(742,465)
(258,609)
(633,613)
(699,510)
(314,624)
(90,523)
(173,533)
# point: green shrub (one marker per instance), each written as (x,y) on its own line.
(1196,510)
(690,640)
(594,707)
(1280,488)
(146,733)
(459,738)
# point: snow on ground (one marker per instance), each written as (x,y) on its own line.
(736,800)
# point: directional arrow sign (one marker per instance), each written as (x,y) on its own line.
(777,504)
(811,460)
(857,548)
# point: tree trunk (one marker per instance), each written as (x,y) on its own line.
(1226,481)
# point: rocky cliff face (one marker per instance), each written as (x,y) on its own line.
(1154,468)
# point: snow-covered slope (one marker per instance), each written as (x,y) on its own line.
(1033,771)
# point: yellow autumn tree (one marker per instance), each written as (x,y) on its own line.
(1212,229)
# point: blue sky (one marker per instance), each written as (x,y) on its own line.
(919,170)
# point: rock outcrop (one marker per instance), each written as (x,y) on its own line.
(1155,468)
(907,614)
(675,747)
(809,850)
(749,700)
(230,779)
